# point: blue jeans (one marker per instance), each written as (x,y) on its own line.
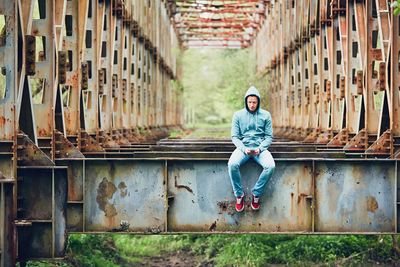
(238,158)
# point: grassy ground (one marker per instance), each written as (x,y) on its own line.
(202,131)
(227,250)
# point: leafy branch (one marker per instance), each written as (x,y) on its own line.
(396,7)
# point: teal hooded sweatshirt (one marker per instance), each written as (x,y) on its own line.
(252,129)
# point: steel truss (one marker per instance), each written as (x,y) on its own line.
(333,73)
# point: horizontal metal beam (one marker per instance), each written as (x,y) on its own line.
(308,196)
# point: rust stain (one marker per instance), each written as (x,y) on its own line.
(358,173)
(2,121)
(110,221)
(372,204)
(213,226)
(223,205)
(300,197)
(123,189)
(42,132)
(226,206)
(182,186)
(291,203)
(110,210)
(105,191)
(71,188)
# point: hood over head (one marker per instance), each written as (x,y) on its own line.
(252,91)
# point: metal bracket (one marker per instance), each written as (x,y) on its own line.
(89,144)
(340,140)
(325,137)
(383,145)
(64,148)
(29,154)
(313,136)
(107,140)
(358,142)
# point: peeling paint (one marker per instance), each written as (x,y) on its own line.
(105,192)
(123,189)
(372,204)
(213,226)
(182,186)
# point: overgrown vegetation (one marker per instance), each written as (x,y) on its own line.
(215,82)
(396,7)
(229,250)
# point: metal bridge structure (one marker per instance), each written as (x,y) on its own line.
(89,90)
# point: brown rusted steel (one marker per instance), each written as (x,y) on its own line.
(382,146)
(340,140)
(88,143)
(328,64)
(29,154)
(231,24)
(64,148)
(358,142)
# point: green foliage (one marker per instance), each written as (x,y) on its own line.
(153,245)
(396,7)
(50,263)
(215,81)
(93,250)
(229,250)
(257,250)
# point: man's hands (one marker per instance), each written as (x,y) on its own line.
(252,152)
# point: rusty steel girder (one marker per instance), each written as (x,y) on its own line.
(194,195)
(216,24)
(75,76)
(332,66)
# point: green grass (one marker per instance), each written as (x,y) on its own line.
(129,245)
(203,130)
(230,250)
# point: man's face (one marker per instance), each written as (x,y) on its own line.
(252,103)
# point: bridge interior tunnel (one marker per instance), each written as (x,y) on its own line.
(89,90)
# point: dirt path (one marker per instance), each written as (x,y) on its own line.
(176,259)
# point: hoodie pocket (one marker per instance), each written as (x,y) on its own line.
(260,123)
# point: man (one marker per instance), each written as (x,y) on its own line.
(252,135)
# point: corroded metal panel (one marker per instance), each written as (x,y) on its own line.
(355,196)
(129,191)
(6,167)
(40,237)
(75,217)
(75,181)
(201,198)
(8,227)
(60,208)
(35,193)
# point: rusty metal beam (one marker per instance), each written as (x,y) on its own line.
(214,15)
(328,72)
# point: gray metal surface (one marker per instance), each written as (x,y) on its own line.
(75,181)
(306,195)
(36,194)
(204,192)
(355,196)
(60,208)
(129,191)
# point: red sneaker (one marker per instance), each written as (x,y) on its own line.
(239,204)
(255,202)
